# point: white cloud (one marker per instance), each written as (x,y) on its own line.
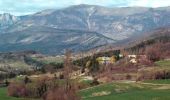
(29,6)
(149,3)
(78,2)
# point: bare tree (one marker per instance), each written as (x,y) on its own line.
(68,91)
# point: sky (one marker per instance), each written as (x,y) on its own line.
(23,7)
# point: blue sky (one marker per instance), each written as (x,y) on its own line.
(22,7)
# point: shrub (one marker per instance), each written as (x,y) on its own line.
(27,80)
(128,77)
(153,74)
(153,53)
(62,93)
(17,90)
(61,76)
(95,82)
(158,51)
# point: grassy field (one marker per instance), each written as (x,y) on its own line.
(166,81)
(50,59)
(163,63)
(126,91)
(15,65)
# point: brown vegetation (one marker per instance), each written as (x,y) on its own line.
(47,87)
(152,74)
(17,90)
(62,93)
(158,51)
(67,91)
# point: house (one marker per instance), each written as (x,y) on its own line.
(133,59)
(132,56)
(106,60)
(121,56)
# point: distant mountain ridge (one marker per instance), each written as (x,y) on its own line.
(80,27)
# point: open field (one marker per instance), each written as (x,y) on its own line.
(166,81)
(163,63)
(15,65)
(50,59)
(127,91)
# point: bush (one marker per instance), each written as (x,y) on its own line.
(95,82)
(17,90)
(153,74)
(153,53)
(32,90)
(62,93)
(158,51)
(128,77)
(61,76)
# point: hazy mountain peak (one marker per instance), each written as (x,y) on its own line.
(7,19)
(7,16)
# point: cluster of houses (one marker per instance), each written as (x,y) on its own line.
(106,60)
(111,60)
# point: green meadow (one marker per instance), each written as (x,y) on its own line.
(127,91)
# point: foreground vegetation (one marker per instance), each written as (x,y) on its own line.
(122,90)
(4,95)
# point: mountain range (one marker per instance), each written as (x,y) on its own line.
(79,28)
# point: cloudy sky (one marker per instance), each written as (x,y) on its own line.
(22,7)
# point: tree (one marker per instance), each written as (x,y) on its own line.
(26,80)
(68,66)
(6,82)
(153,52)
(94,65)
(68,90)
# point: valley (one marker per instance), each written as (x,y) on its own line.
(145,76)
(86,52)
